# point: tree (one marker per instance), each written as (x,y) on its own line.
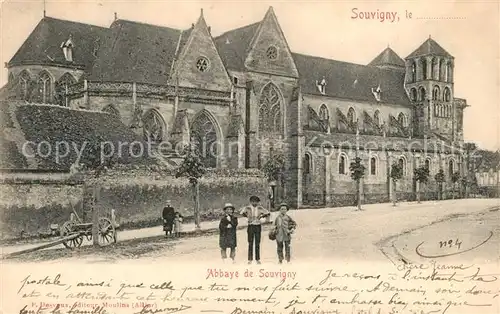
(193,169)
(274,169)
(396,174)
(357,173)
(439,177)
(421,175)
(455,177)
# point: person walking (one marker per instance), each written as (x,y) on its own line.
(227,228)
(254,212)
(284,227)
(168,216)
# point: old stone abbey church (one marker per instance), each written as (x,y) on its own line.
(247,92)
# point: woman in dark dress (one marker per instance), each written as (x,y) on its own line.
(168,216)
(227,228)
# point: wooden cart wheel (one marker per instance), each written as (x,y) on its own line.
(107,232)
(67,229)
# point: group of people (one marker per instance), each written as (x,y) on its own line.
(172,221)
(281,231)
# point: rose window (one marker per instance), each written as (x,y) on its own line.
(202,64)
(272,53)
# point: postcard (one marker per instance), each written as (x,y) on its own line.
(243,157)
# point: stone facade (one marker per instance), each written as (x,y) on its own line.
(249,94)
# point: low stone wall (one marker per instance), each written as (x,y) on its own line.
(138,197)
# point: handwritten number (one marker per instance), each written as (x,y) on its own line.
(450,244)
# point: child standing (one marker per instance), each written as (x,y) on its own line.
(285,226)
(227,228)
(178,224)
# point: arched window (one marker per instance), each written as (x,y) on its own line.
(307,165)
(376,118)
(451,167)
(421,92)
(24,84)
(373,165)
(270,109)
(413,94)
(44,91)
(62,89)
(351,116)
(428,164)
(402,119)
(449,70)
(323,112)
(442,70)
(342,164)
(424,68)
(435,69)
(447,94)
(402,164)
(435,93)
(154,126)
(204,137)
(413,72)
(111,110)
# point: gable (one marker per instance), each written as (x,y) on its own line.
(200,49)
(269,37)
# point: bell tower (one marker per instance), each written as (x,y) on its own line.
(429,84)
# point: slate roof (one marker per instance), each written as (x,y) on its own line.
(350,81)
(137,52)
(388,58)
(430,46)
(43,45)
(233,46)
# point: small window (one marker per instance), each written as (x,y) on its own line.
(435,93)
(428,164)
(342,164)
(447,94)
(202,64)
(402,164)
(451,167)
(373,165)
(413,72)
(272,53)
(351,116)
(422,94)
(307,164)
(413,94)
(235,80)
(323,112)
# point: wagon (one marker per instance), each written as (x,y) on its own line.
(75,230)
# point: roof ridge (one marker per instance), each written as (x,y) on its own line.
(74,22)
(148,24)
(327,59)
(236,29)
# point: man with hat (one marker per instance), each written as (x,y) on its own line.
(227,228)
(254,212)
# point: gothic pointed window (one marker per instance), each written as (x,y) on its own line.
(413,72)
(351,116)
(323,112)
(24,85)
(202,64)
(62,89)
(44,88)
(435,93)
(153,127)
(204,138)
(270,110)
(447,94)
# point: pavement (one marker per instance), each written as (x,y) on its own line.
(377,233)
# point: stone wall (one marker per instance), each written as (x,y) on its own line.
(138,196)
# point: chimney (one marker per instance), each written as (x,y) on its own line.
(116,16)
(210,30)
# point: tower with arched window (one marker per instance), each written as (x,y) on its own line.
(429,84)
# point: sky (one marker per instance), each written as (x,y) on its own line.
(331,29)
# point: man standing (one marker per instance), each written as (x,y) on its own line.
(254,212)
(168,216)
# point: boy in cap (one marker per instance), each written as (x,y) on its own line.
(254,212)
(227,228)
(285,226)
